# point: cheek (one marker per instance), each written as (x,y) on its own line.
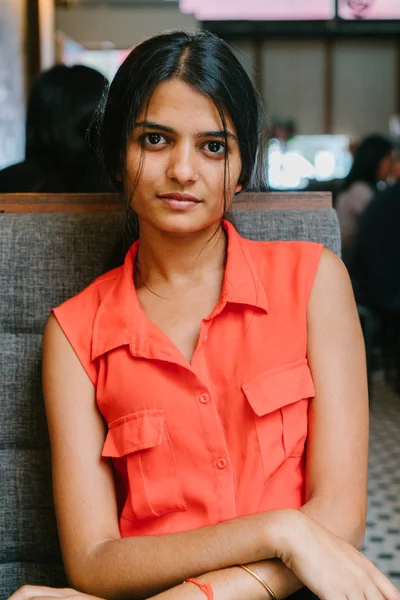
(132,165)
(235,169)
(141,172)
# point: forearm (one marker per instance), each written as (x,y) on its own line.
(345,522)
(342,518)
(140,567)
(235,584)
(229,583)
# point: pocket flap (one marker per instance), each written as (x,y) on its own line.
(138,431)
(279,387)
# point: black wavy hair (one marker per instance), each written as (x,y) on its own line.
(367,157)
(61,106)
(207,64)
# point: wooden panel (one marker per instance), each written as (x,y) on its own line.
(76,203)
(60,203)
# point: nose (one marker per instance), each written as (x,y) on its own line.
(182,166)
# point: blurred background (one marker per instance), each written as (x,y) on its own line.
(328,71)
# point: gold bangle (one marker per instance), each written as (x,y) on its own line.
(263,583)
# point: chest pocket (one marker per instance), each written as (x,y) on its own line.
(140,446)
(279,398)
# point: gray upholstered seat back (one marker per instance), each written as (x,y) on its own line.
(46,258)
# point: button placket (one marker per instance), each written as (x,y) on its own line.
(216,444)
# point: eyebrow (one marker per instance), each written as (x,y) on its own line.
(218,134)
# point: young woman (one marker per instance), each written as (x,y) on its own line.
(182,387)
(373,163)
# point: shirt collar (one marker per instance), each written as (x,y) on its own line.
(120,319)
(242,282)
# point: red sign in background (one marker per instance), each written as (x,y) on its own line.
(259,10)
(369,9)
(290,10)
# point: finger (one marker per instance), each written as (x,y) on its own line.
(27,592)
(45,597)
(386,587)
(373,592)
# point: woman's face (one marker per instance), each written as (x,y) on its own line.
(386,167)
(181,144)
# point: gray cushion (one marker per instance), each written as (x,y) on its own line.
(45,259)
(299,225)
(14,574)
(23,421)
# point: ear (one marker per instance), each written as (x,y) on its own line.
(239,188)
(118,176)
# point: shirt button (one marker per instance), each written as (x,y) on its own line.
(204,398)
(221,463)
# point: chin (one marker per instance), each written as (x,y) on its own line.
(184,223)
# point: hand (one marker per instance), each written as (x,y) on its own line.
(38,592)
(332,568)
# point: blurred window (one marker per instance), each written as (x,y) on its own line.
(293,163)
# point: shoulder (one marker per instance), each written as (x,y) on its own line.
(361,191)
(21,177)
(288,254)
(332,285)
(93,294)
(76,316)
(356,192)
(287,267)
(10,178)
(71,325)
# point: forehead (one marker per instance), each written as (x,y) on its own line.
(179,106)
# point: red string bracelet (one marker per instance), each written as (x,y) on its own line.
(205,587)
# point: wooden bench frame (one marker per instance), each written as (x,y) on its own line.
(79,203)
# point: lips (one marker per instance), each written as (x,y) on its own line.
(180,197)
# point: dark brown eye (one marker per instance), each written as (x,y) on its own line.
(216,147)
(154,138)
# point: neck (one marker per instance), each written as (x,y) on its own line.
(177,258)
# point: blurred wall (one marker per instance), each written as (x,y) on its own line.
(364,79)
(364,85)
(12,81)
(121,25)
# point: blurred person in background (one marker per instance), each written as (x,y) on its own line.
(375,267)
(58,156)
(373,163)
